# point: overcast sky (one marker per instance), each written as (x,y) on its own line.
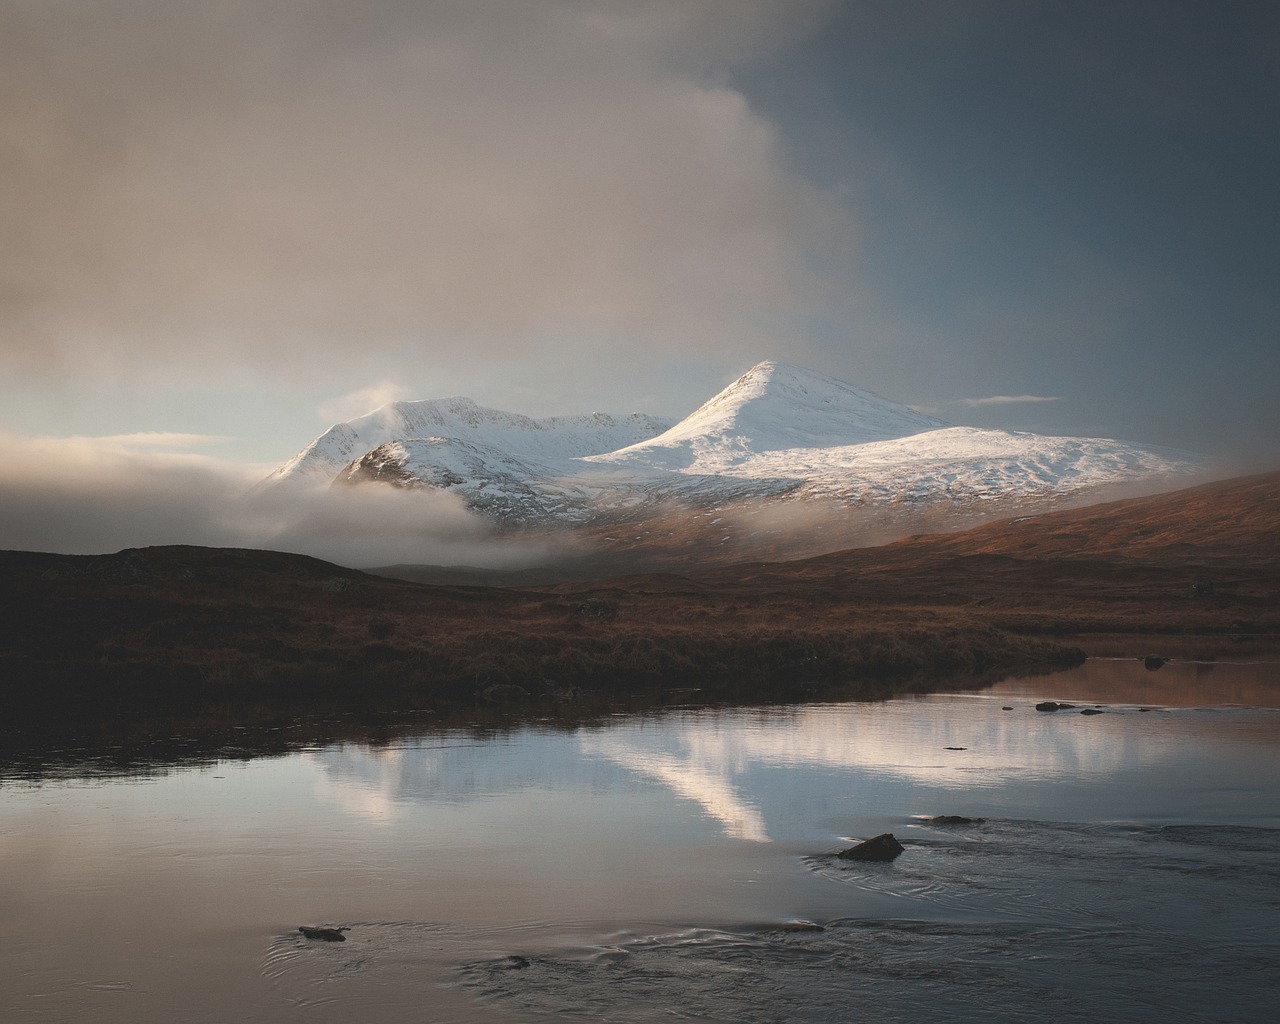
(229,223)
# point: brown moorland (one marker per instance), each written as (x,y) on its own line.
(1194,572)
(258,636)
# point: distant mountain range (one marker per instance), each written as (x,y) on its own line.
(779,434)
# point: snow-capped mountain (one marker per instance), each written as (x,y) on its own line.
(772,408)
(553,438)
(778,432)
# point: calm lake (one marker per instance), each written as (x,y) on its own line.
(680,866)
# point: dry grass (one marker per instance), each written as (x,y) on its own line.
(180,625)
(185,628)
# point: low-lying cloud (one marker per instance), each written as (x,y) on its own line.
(148,439)
(96,495)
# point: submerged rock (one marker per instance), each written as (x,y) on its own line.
(1093,711)
(883,847)
(1151,662)
(955,819)
(324,934)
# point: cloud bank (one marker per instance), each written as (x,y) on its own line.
(96,495)
(304,187)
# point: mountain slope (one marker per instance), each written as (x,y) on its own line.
(493,482)
(962,464)
(773,407)
(1201,564)
(549,439)
(1232,522)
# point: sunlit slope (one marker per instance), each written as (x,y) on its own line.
(1228,522)
(547,439)
(1221,534)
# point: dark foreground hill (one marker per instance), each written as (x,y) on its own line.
(259,636)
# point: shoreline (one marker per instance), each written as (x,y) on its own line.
(1204,647)
(146,740)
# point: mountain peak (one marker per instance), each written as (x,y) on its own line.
(776,406)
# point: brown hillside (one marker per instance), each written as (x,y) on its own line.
(1191,565)
(1230,522)
(1192,572)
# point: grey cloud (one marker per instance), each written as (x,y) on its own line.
(318,186)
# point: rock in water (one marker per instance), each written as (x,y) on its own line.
(1052,705)
(324,934)
(955,819)
(883,847)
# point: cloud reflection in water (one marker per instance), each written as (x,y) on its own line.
(699,777)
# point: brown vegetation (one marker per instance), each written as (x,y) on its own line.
(181,630)
(1197,568)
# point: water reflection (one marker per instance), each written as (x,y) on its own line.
(737,766)
(73,748)
(557,872)
(368,784)
(705,775)
(1176,684)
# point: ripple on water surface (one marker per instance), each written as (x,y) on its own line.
(1019,921)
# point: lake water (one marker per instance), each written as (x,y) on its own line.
(680,867)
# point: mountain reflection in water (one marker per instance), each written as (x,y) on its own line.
(647,867)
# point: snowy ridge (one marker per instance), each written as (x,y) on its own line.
(964,464)
(493,482)
(553,438)
(778,432)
